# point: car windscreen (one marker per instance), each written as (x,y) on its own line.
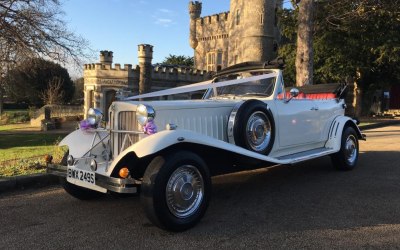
(262,87)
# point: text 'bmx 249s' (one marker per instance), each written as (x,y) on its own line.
(167,150)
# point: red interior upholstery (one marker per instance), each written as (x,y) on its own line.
(310,96)
(321,96)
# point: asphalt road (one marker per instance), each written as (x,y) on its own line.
(309,205)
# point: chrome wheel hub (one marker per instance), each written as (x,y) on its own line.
(184,191)
(350,151)
(258,130)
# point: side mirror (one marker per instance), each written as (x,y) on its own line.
(294,92)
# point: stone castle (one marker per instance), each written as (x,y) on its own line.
(248,32)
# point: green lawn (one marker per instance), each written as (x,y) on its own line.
(23,153)
(14,127)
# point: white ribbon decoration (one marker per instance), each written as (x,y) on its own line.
(200,86)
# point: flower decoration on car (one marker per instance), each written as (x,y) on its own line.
(85,125)
(150,127)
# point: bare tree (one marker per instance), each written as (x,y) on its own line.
(34,28)
(305,54)
(53,94)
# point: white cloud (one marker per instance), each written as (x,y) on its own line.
(165,22)
(164,17)
(165,11)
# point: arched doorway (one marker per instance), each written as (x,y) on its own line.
(110,97)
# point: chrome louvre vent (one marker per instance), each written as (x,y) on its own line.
(126,122)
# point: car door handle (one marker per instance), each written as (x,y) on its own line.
(314,108)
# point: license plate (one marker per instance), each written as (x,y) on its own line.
(81,175)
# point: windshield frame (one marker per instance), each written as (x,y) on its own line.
(212,93)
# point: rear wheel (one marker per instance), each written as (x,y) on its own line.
(176,190)
(347,157)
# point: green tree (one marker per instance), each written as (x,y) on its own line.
(34,77)
(179,60)
(78,93)
(356,40)
(35,28)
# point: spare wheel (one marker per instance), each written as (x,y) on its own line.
(251,126)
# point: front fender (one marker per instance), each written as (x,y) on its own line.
(336,131)
(80,142)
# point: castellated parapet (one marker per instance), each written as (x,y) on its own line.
(145,53)
(106,57)
(216,19)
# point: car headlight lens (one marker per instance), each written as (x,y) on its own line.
(94,116)
(144,114)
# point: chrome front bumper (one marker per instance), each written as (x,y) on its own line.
(126,186)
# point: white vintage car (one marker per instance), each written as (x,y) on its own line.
(167,150)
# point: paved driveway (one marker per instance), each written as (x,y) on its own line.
(309,205)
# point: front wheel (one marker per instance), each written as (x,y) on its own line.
(176,190)
(347,157)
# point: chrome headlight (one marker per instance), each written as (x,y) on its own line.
(144,114)
(94,116)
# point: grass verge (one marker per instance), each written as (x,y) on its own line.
(23,153)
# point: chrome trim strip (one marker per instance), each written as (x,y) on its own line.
(110,183)
(231,123)
(127,132)
(307,155)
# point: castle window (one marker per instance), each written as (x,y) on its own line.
(219,59)
(237,17)
(211,61)
(261,18)
(91,99)
(214,60)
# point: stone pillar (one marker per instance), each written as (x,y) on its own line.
(145,52)
(106,57)
(194,12)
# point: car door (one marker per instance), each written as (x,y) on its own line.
(298,122)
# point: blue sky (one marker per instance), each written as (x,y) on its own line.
(120,25)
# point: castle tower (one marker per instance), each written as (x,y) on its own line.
(145,55)
(252,34)
(194,12)
(106,57)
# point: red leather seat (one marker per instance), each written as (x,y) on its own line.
(321,96)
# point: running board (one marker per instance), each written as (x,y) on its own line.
(306,155)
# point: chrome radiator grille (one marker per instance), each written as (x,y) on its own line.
(126,122)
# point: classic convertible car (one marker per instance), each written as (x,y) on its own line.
(167,150)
